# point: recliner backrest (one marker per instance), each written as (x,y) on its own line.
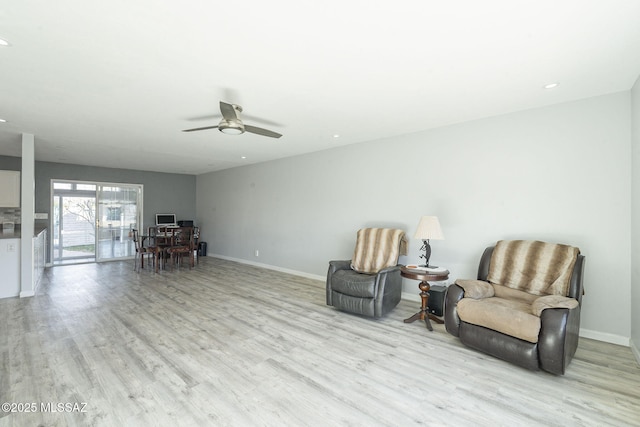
(378,248)
(576,287)
(533,266)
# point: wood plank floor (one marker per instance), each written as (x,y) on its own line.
(227,344)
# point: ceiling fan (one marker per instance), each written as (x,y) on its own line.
(232,124)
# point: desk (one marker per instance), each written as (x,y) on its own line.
(424,286)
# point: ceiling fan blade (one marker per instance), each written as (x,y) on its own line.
(209,117)
(249,117)
(228,111)
(260,120)
(203,128)
(260,131)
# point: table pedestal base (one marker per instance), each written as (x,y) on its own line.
(423,314)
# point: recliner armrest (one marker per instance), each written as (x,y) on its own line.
(476,289)
(383,275)
(558,339)
(333,267)
(388,289)
(339,265)
(389,269)
(552,301)
(451,319)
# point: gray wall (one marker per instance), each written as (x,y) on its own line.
(635,224)
(10,163)
(560,174)
(163,192)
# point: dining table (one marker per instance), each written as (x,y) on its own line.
(164,239)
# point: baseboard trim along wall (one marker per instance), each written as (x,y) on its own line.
(585,333)
(605,337)
(273,267)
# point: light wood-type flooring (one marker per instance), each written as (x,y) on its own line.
(227,344)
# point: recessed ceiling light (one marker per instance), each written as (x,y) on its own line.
(3,42)
(3,121)
(551,85)
(243,157)
(336,136)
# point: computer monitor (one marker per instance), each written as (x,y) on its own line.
(166,220)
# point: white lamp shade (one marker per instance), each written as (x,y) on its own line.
(429,229)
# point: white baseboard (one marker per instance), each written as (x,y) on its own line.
(272,267)
(605,337)
(25,294)
(410,296)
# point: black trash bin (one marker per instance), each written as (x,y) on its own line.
(202,249)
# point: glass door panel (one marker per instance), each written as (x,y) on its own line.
(73,228)
(118,213)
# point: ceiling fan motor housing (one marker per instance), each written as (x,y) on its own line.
(231,127)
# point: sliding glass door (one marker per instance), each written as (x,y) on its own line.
(73,223)
(91,220)
(118,207)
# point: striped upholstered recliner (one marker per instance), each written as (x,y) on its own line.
(524,306)
(369,284)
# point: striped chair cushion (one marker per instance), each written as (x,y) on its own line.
(535,267)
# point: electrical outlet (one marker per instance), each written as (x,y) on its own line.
(257,252)
(11,247)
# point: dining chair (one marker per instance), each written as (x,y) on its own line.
(181,244)
(150,250)
(162,236)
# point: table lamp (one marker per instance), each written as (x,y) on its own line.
(428,228)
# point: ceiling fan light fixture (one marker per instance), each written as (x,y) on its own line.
(231,127)
(231,131)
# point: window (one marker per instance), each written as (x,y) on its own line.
(113,214)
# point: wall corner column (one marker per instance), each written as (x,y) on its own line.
(27,209)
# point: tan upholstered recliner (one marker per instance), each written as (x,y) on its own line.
(370,283)
(524,306)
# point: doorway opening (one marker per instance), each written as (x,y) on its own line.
(91,220)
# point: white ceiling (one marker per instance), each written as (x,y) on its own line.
(113,83)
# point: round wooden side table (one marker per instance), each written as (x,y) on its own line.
(424,277)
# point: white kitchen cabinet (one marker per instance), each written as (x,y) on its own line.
(9,189)
(9,268)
